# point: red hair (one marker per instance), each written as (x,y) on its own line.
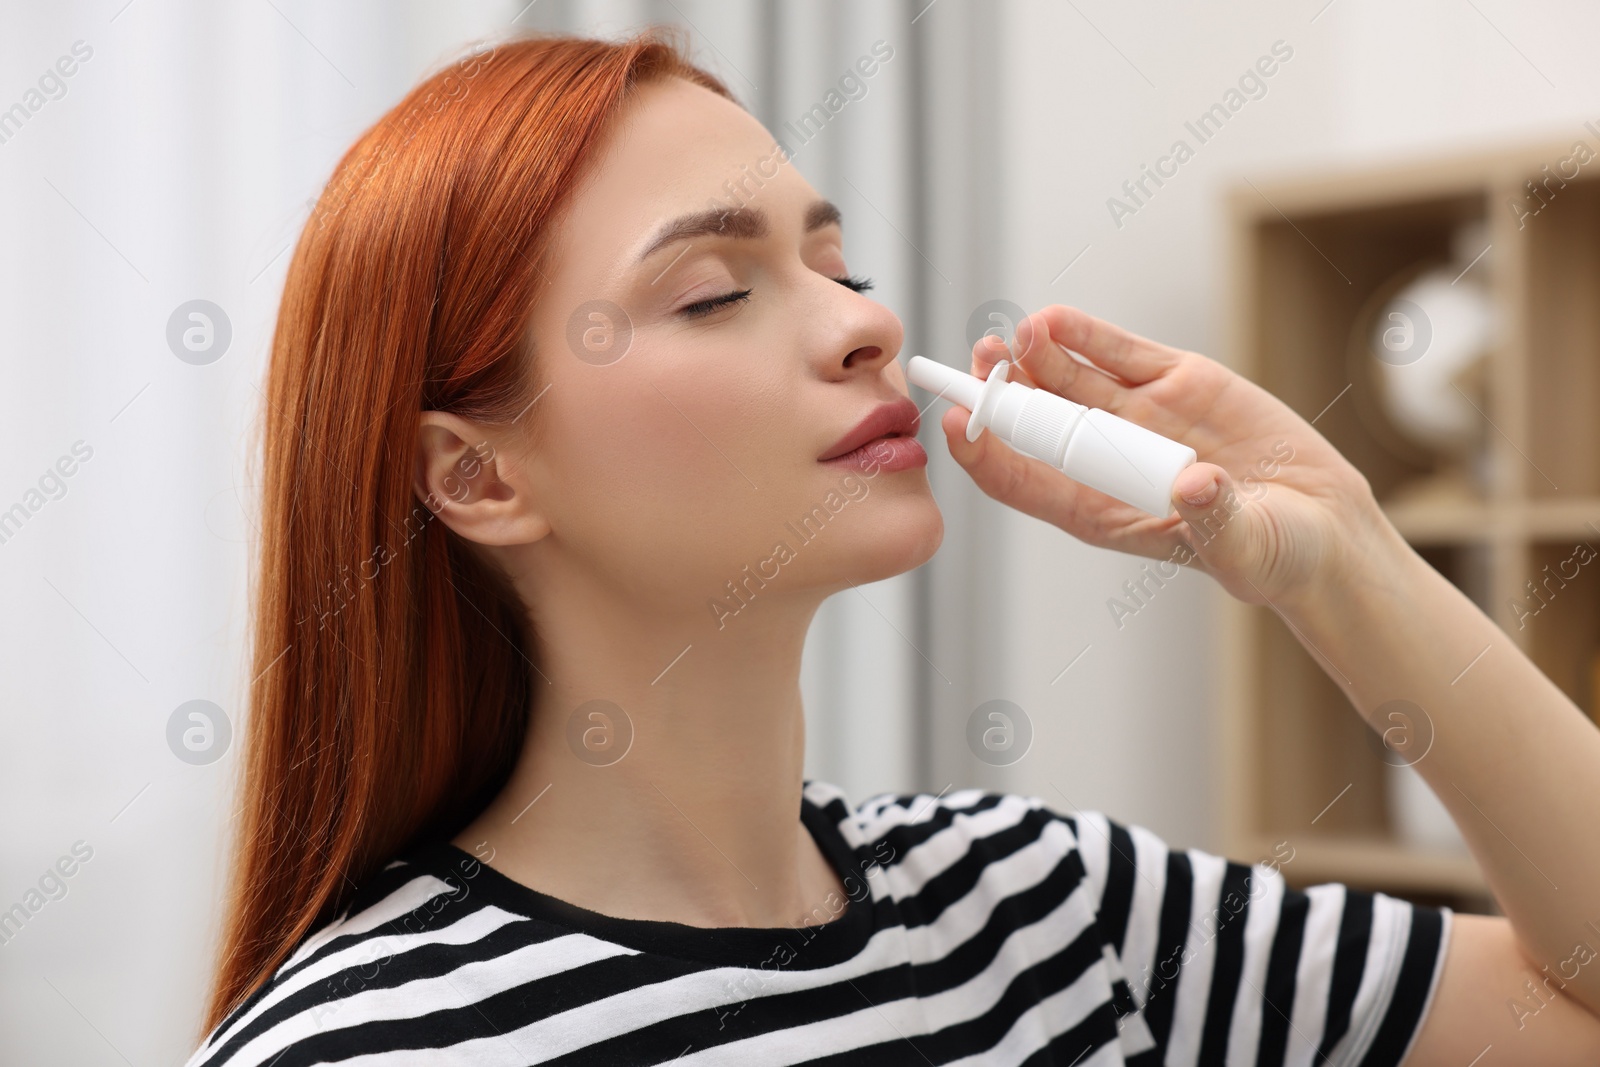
(392,688)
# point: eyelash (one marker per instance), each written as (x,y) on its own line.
(706,307)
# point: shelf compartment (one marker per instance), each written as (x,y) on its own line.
(1556,607)
(1315,275)
(1562,348)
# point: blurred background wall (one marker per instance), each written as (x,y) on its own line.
(177,162)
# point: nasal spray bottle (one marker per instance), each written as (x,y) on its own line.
(1094,447)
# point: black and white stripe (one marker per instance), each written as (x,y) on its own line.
(982,928)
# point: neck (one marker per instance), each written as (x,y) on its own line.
(694,818)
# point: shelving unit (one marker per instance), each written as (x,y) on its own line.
(1309,259)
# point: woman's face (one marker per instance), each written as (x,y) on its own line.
(680,450)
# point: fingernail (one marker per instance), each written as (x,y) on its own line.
(1206,495)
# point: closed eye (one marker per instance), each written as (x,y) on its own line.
(707,306)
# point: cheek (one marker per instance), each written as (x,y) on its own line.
(668,483)
(724,435)
(625,455)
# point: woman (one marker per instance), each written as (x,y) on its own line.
(575,416)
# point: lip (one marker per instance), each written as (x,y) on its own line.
(895,418)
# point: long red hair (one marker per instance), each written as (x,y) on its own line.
(391,678)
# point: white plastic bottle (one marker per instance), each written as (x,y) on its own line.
(1120,458)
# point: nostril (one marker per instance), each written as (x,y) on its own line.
(863,355)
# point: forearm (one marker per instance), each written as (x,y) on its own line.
(1513,759)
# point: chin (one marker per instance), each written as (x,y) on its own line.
(899,534)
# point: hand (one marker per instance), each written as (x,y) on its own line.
(1271,509)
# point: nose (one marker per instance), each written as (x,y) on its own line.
(868,333)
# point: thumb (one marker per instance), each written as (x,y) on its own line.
(1222,530)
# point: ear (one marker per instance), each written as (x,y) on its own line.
(462,477)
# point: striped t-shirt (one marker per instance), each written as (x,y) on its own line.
(977,928)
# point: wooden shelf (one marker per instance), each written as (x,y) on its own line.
(1577,518)
(1311,259)
(1370,862)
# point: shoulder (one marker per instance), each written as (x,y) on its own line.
(927,830)
(417,916)
(951,838)
(1122,864)
(961,818)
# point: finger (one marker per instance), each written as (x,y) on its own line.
(1225,532)
(989,350)
(1196,485)
(997,469)
(1126,355)
(1052,367)
(1004,473)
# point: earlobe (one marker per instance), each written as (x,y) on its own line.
(460,476)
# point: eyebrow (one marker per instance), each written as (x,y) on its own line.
(741,222)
